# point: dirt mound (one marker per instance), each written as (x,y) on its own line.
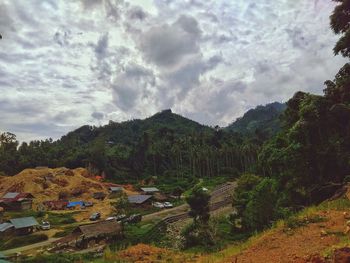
(47,184)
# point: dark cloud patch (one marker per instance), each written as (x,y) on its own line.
(167,45)
(97,115)
(101,48)
(136,13)
(130,85)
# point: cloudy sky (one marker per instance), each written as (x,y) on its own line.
(66,63)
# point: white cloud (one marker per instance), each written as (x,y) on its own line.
(85,62)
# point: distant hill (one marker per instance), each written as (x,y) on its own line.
(129,132)
(262,118)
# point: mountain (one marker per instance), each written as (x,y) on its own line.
(262,118)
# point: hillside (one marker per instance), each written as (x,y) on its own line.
(262,118)
(165,143)
(315,235)
(60,183)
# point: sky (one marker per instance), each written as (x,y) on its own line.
(68,63)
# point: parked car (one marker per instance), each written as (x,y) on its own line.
(117,218)
(158,205)
(121,217)
(88,204)
(95,216)
(45,225)
(168,205)
(135,218)
(110,218)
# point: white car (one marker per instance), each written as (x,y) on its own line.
(45,225)
(158,205)
(168,205)
(111,218)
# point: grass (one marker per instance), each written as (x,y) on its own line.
(22,241)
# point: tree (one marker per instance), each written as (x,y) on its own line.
(340,23)
(122,204)
(198,201)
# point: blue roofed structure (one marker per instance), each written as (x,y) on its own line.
(75,203)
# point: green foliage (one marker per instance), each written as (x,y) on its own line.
(263,120)
(261,208)
(198,201)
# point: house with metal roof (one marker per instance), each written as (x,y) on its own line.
(13,201)
(24,225)
(139,199)
(85,235)
(6,229)
(150,190)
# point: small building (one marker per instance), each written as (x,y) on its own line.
(6,229)
(56,205)
(89,235)
(17,201)
(24,225)
(150,190)
(116,189)
(139,199)
(99,195)
(75,204)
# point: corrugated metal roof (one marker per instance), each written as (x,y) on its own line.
(5,226)
(116,188)
(10,195)
(138,199)
(150,189)
(99,228)
(24,222)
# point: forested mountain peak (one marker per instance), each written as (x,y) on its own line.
(263,118)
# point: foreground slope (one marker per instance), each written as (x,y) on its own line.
(314,235)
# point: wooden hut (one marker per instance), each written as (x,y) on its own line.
(17,201)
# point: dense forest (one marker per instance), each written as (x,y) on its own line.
(164,145)
(309,159)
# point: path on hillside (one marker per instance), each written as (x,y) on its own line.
(220,193)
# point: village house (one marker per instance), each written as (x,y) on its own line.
(99,195)
(140,199)
(56,205)
(24,225)
(89,235)
(17,201)
(115,191)
(6,230)
(149,190)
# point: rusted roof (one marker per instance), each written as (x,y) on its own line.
(100,228)
(14,197)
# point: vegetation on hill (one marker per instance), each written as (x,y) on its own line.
(310,157)
(163,146)
(262,119)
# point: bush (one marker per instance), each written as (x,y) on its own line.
(199,235)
